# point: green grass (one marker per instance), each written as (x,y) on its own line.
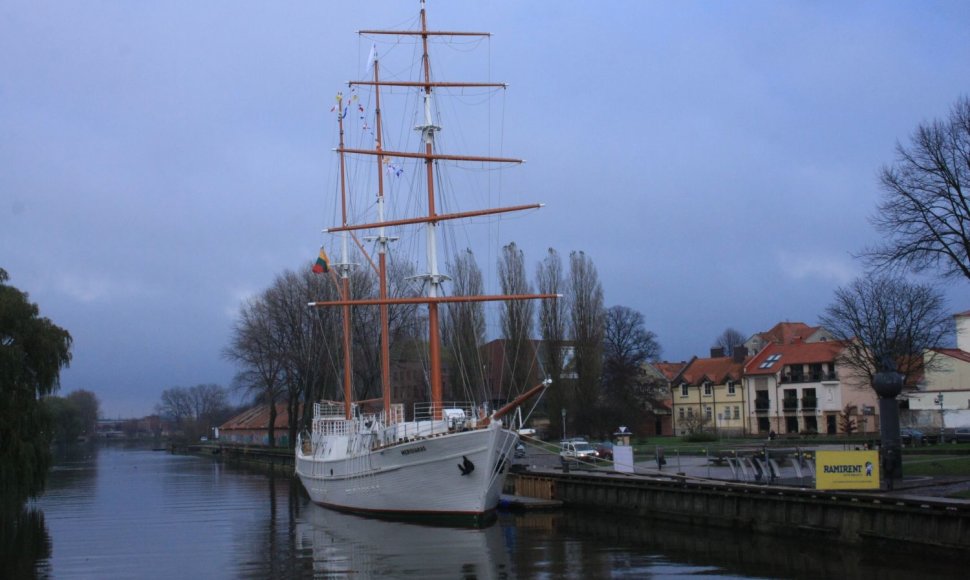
(936,465)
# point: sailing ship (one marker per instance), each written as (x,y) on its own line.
(438,460)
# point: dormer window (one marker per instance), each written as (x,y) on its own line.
(708,389)
(770,361)
(683,389)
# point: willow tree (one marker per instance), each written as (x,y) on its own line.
(33,350)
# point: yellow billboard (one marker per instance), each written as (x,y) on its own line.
(846,470)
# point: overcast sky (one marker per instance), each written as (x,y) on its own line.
(161,161)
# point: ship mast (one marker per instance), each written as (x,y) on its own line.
(433,277)
(344,269)
(382,240)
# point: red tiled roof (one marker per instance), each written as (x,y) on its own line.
(257,418)
(967,313)
(793,353)
(787,332)
(955,353)
(669,370)
(716,370)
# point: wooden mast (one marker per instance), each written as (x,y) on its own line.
(434,280)
(344,268)
(433,295)
(382,253)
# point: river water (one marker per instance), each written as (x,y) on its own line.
(114,511)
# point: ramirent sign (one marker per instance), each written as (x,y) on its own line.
(846,470)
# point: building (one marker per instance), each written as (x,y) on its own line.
(942,395)
(785,333)
(251,427)
(708,395)
(795,387)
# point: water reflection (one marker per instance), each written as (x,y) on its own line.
(347,545)
(116,512)
(573,544)
(24,542)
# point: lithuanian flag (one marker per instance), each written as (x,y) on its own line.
(323,263)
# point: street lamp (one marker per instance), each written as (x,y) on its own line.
(564,424)
(939,401)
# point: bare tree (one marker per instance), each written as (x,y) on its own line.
(208,401)
(586,327)
(303,331)
(552,329)
(627,346)
(464,328)
(924,214)
(195,409)
(517,317)
(694,422)
(729,339)
(176,403)
(886,318)
(257,345)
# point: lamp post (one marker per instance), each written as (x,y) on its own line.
(564,424)
(888,384)
(939,401)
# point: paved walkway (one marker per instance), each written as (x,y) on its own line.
(701,467)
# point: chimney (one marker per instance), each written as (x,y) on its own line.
(740,352)
(717,351)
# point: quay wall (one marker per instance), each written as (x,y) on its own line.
(844,517)
(276,459)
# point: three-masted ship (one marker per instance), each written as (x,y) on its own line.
(438,459)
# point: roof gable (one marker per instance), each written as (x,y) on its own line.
(717,370)
(669,370)
(775,357)
(257,418)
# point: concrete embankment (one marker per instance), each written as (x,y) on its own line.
(848,517)
(276,459)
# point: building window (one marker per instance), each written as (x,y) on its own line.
(690,411)
(681,414)
(708,413)
(731,388)
(683,389)
(737,412)
(708,390)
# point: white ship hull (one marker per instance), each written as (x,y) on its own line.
(452,474)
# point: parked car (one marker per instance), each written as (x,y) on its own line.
(576,449)
(910,436)
(605,451)
(959,435)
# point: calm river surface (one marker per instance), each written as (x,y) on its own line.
(113,511)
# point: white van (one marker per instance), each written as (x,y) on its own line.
(576,449)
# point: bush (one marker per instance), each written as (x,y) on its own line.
(700,437)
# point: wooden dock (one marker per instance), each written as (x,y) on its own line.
(520,502)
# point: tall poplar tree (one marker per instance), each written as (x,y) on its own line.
(586,326)
(517,319)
